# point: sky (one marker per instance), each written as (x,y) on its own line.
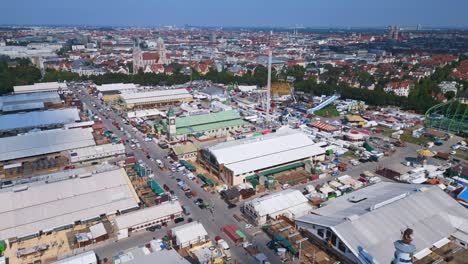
(244,13)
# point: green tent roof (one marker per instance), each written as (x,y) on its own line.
(284,168)
(209,126)
(241,234)
(367,146)
(188,121)
(187,165)
(155,187)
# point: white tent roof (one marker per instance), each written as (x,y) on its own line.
(55,204)
(83,258)
(116,87)
(257,153)
(44,142)
(39,87)
(277,202)
(155,96)
(189,232)
(148,214)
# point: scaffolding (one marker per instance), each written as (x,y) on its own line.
(450,117)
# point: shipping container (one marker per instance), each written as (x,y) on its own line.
(231,232)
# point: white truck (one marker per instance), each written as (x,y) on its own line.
(160,163)
(225,248)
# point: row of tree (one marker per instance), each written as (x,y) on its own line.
(257,77)
(420,98)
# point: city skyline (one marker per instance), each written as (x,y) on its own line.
(341,14)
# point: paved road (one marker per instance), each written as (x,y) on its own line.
(213,222)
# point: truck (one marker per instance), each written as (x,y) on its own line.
(160,164)
(310,189)
(186,210)
(224,247)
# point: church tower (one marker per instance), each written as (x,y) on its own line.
(136,56)
(162,51)
(171,124)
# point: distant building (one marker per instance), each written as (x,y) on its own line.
(393,32)
(141,59)
(446,86)
(40,87)
(156,99)
(399,88)
(111,92)
(362,226)
(211,125)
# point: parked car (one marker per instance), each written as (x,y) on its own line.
(154,228)
(178,220)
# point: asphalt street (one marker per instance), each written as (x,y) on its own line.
(213,222)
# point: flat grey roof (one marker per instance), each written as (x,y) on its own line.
(142,255)
(155,96)
(18,102)
(39,119)
(45,142)
(385,210)
(39,87)
(51,205)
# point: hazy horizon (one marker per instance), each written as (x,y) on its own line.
(240,13)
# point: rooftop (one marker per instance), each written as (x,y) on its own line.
(39,87)
(279,201)
(95,151)
(144,255)
(18,102)
(189,232)
(141,216)
(252,154)
(154,96)
(26,210)
(86,257)
(374,217)
(196,120)
(38,119)
(45,142)
(116,87)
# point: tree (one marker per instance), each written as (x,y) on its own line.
(24,73)
(449,95)
(296,71)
